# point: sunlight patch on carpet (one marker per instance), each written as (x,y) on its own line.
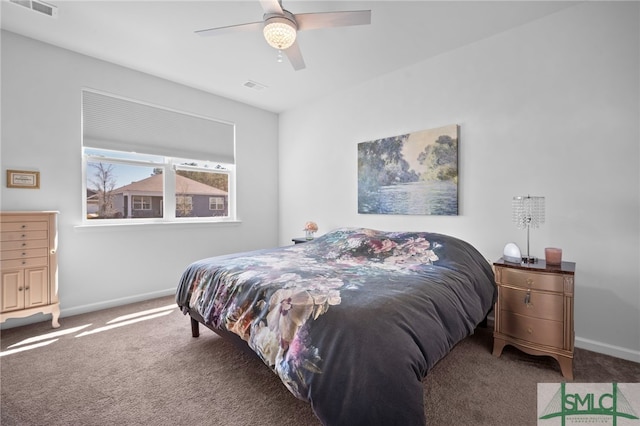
(26,348)
(49,335)
(122,324)
(143,313)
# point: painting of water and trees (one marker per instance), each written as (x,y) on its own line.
(411,174)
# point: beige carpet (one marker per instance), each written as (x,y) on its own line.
(152,372)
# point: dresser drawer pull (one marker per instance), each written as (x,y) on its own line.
(529,282)
(24,226)
(529,330)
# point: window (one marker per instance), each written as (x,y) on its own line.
(141,202)
(133,186)
(216,203)
(136,171)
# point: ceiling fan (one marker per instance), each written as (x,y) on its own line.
(280,26)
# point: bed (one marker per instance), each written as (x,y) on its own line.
(351,321)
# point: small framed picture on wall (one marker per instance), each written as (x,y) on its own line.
(23,179)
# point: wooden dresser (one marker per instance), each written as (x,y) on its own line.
(29,266)
(534,310)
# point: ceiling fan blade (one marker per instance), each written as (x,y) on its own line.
(253,26)
(271,6)
(312,21)
(295,56)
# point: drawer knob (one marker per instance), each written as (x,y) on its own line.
(24,226)
(529,282)
(529,330)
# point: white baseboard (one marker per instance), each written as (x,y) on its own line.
(91,307)
(115,302)
(604,348)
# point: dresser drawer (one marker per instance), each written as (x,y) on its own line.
(532,280)
(24,244)
(23,235)
(541,305)
(535,330)
(24,263)
(23,254)
(23,226)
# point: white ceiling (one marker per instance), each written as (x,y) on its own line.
(157,37)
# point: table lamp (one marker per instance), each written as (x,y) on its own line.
(528,212)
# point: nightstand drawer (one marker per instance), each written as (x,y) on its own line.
(24,263)
(535,330)
(24,244)
(23,254)
(540,305)
(24,235)
(534,281)
(24,226)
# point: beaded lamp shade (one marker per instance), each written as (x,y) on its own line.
(280,32)
(528,212)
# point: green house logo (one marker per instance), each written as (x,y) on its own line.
(591,403)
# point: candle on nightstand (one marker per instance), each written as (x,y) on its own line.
(553,256)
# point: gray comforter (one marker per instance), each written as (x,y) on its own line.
(351,321)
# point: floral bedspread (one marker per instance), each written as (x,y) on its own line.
(351,321)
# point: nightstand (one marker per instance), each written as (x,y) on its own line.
(534,310)
(299,240)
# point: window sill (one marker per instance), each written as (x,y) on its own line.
(173,223)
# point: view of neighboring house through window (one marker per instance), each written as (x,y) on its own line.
(195,189)
(135,167)
(121,186)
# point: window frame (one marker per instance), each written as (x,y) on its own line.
(119,125)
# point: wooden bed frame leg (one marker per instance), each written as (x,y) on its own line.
(195,328)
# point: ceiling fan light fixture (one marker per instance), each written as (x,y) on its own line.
(280,32)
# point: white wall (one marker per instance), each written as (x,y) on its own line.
(550,108)
(41,130)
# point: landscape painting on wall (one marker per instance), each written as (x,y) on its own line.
(411,174)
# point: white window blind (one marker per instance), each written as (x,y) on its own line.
(117,124)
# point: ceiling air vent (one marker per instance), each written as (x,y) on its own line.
(38,6)
(254,85)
